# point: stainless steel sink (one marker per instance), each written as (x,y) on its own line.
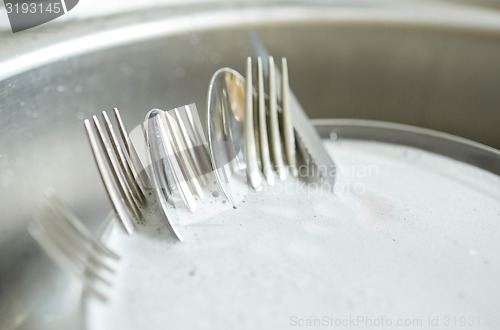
(434,68)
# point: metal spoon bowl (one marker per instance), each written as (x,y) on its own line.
(225,129)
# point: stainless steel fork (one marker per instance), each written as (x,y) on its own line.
(172,164)
(266,146)
(71,245)
(119,168)
(116,168)
(308,140)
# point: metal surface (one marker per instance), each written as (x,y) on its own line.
(113,172)
(158,146)
(252,165)
(273,121)
(263,137)
(226,138)
(452,146)
(288,130)
(274,145)
(168,172)
(437,69)
(277,137)
(225,106)
(307,138)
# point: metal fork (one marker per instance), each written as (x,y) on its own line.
(172,164)
(308,140)
(71,245)
(266,146)
(115,168)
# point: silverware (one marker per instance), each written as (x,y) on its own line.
(121,171)
(115,169)
(174,145)
(71,245)
(307,137)
(274,145)
(176,158)
(241,138)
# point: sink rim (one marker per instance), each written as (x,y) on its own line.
(20,53)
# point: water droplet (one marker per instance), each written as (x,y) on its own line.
(215,193)
(333,136)
(22,103)
(61,88)
(80,115)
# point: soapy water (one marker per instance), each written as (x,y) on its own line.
(353,174)
(421,235)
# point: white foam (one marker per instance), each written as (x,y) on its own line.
(417,239)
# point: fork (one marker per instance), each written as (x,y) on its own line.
(308,140)
(115,167)
(172,164)
(62,235)
(266,147)
(119,171)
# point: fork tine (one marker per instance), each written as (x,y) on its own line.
(189,175)
(184,189)
(78,226)
(188,145)
(57,229)
(122,161)
(138,169)
(56,233)
(264,141)
(109,153)
(107,178)
(289,137)
(37,231)
(275,131)
(159,181)
(199,141)
(65,232)
(250,148)
(64,243)
(196,129)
